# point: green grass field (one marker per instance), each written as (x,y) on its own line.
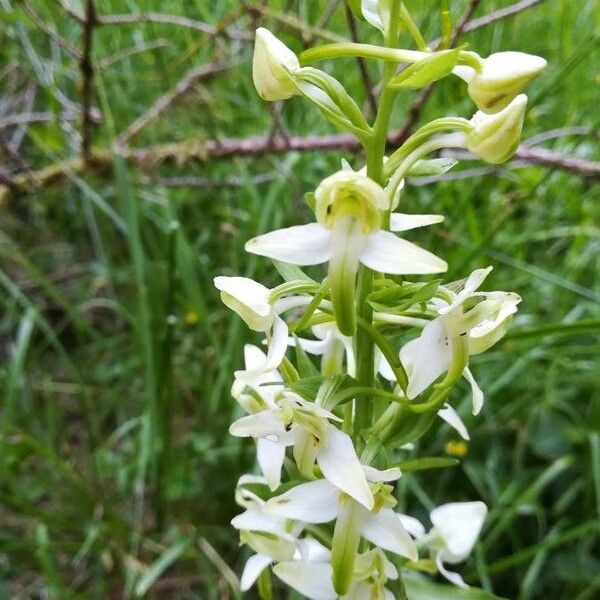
(116,469)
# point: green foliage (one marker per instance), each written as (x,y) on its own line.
(116,470)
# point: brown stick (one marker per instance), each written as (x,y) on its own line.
(499,14)
(179,153)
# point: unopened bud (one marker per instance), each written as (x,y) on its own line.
(495,137)
(273,65)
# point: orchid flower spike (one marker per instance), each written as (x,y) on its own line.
(348,210)
(495,137)
(445,342)
(456,527)
(273,65)
(503,76)
(320,502)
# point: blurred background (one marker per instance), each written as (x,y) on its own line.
(116,468)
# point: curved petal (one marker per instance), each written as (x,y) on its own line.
(377,475)
(258,425)
(340,465)
(448,414)
(459,524)
(255,565)
(248,298)
(310,549)
(451,576)
(475,390)
(270,457)
(414,527)
(312,502)
(257,520)
(299,245)
(427,357)
(311,579)
(316,347)
(404,222)
(385,530)
(390,254)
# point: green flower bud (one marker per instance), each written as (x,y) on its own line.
(503,76)
(495,137)
(273,65)
(350,194)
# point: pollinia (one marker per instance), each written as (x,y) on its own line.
(392,345)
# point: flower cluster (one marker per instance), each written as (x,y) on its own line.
(329,432)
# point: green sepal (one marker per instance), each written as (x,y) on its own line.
(426,71)
(432,166)
(398,298)
(304,364)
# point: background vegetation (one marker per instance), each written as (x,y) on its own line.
(116,469)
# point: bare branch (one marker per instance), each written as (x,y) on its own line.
(109,61)
(26,118)
(204,182)
(554,134)
(127,19)
(500,14)
(166,100)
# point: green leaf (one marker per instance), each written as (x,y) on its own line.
(308,387)
(420,588)
(306,367)
(426,71)
(400,297)
(427,462)
(290,272)
(434,166)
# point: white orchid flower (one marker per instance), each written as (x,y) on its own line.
(250,300)
(304,425)
(445,342)
(495,137)
(273,66)
(313,578)
(456,527)
(320,502)
(348,232)
(502,77)
(271,537)
(332,346)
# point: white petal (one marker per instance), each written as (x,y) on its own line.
(316,347)
(340,465)
(377,475)
(254,357)
(312,502)
(390,254)
(412,525)
(299,245)
(474,281)
(404,222)
(311,579)
(459,524)
(427,357)
(257,520)
(385,369)
(451,417)
(248,298)
(451,576)
(255,565)
(475,390)
(275,352)
(385,530)
(261,424)
(270,457)
(310,549)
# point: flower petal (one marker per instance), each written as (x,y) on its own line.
(311,579)
(377,475)
(340,465)
(255,565)
(390,254)
(414,527)
(257,520)
(427,357)
(404,222)
(259,425)
(310,549)
(451,576)
(270,457)
(385,530)
(475,390)
(248,298)
(312,502)
(459,524)
(448,414)
(299,245)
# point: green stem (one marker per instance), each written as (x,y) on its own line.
(375,149)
